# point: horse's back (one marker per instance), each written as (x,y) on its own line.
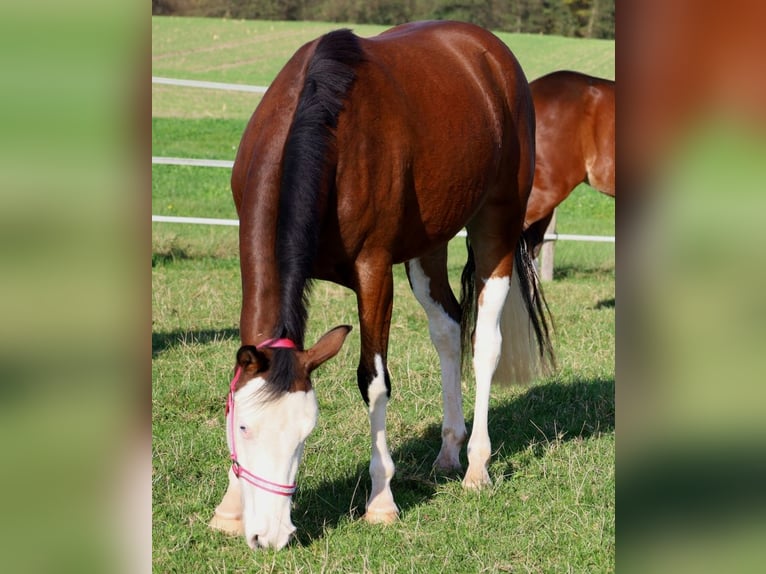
(440,117)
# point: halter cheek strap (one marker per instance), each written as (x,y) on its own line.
(238,469)
(277,344)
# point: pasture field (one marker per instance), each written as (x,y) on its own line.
(551,505)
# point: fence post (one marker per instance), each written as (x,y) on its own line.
(547,252)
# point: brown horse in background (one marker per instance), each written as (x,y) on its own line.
(574,143)
(362,154)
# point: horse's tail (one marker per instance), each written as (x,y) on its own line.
(468,305)
(330,74)
(527,351)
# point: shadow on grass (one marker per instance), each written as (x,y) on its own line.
(581,272)
(161,342)
(549,412)
(169,255)
(605,304)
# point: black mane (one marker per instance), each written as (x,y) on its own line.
(329,77)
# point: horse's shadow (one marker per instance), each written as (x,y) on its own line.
(544,413)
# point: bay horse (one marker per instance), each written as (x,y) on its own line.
(364,153)
(574,143)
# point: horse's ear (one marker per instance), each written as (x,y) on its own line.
(251,360)
(326,347)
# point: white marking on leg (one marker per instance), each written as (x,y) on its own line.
(380,506)
(445,336)
(487,347)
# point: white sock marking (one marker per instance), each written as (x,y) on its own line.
(381,463)
(487,347)
(445,336)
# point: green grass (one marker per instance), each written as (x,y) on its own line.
(210,138)
(551,507)
(253,51)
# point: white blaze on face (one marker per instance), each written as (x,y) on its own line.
(269,437)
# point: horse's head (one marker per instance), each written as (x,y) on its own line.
(267,424)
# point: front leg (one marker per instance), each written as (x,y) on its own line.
(381,507)
(228,514)
(375,301)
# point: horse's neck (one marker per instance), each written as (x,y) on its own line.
(259,175)
(258,264)
(260,301)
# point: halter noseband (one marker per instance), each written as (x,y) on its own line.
(238,469)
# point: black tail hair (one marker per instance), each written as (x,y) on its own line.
(468,306)
(534,301)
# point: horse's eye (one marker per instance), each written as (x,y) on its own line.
(243,428)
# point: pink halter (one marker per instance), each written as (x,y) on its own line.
(239,471)
(277,344)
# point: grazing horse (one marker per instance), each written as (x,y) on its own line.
(364,153)
(574,143)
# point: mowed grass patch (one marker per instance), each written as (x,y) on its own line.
(233,51)
(195,103)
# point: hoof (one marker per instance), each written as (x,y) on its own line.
(381,516)
(447,465)
(232,526)
(476,480)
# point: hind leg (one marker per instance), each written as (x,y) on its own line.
(429,282)
(494,242)
(486,354)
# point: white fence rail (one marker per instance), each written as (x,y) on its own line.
(195,162)
(235,223)
(209,85)
(194,220)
